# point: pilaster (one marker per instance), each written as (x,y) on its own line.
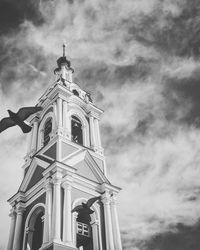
(12,229)
(115,223)
(18,227)
(67,215)
(108,222)
(57,207)
(47,234)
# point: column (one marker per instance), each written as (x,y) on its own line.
(18,229)
(92,131)
(66,120)
(59,112)
(12,229)
(108,223)
(98,137)
(56,225)
(115,224)
(55,120)
(95,234)
(75,215)
(67,215)
(48,209)
(34,136)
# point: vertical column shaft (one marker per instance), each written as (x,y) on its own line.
(57,207)
(115,225)
(18,229)
(34,135)
(108,224)
(48,209)
(92,132)
(95,235)
(67,221)
(75,215)
(66,120)
(55,120)
(59,112)
(12,230)
(98,137)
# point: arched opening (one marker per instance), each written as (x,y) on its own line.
(84,231)
(38,232)
(33,238)
(76,130)
(47,130)
(75,92)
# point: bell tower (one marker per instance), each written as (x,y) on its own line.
(65,200)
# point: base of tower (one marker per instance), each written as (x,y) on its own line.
(57,246)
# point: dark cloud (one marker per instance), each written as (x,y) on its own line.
(13,13)
(170,34)
(183,94)
(184,238)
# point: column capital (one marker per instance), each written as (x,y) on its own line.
(67,181)
(20,208)
(48,184)
(12,213)
(57,177)
(106,198)
(106,201)
(66,185)
(113,199)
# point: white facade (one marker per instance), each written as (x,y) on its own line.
(64,167)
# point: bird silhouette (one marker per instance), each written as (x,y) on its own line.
(18,119)
(85,207)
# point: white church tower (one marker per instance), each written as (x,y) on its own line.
(64,168)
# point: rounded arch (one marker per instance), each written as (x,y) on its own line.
(48,115)
(95,223)
(85,126)
(34,219)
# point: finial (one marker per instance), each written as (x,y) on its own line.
(64,46)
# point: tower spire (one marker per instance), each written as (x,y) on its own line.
(64,70)
(64,47)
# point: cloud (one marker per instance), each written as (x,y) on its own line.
(139,61)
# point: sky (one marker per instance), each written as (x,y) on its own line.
(140,61)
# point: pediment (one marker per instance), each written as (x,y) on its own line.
(50,151)
(33,174)
(86,166)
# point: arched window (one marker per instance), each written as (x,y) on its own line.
(47,131)
(76,130)
(75,92)
(87,227)
(84,231)
(33,237)
(38,232)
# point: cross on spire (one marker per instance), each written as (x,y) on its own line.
(64,47)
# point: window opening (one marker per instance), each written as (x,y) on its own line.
(84,230)
(47,131)
(38,233)
(75,92)
(77,133)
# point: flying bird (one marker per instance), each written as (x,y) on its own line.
(18,119)
(85,207)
